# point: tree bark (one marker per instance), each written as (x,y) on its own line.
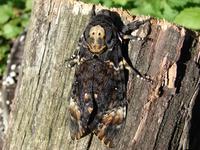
(159,113)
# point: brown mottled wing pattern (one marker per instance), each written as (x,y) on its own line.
(98,103)
(109,88)
(81,102)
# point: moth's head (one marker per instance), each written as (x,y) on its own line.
(99,38)
(96,39)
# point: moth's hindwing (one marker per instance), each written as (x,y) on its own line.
(110,126)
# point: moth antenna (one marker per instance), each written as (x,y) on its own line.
(93,13)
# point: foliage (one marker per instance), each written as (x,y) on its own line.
(14,18)
(184,18)
(183,12)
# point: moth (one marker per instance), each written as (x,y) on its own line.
(98,102)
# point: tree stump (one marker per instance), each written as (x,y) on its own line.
(159,113)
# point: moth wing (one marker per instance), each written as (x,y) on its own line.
(110,119)
(76,128)
(111,125)
(81,103)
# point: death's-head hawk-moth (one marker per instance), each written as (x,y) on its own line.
(98,102)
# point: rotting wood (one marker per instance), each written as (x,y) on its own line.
(158,113)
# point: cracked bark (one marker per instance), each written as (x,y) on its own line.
(162,115)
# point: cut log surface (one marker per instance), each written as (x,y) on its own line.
(159,113)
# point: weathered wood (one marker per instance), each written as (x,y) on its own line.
(9,83)
(159,114)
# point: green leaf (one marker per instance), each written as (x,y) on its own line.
(15,21)
(3,50)
(189,18)
(18,3)
(156,5)
(25,19)
(28,5)
(168,12)
(2,69)
(6,12)
(177,3)
(25,22)
(195,1)
(121,2)
(11,30)
(1,32)
(92,1)
(108,3)
(148,9)
(134,11)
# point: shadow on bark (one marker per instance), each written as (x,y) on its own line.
(194,136)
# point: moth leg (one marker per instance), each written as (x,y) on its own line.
(127,29)
(110,124)
(135,71)
(133,26)
(74,59)
(131,37)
